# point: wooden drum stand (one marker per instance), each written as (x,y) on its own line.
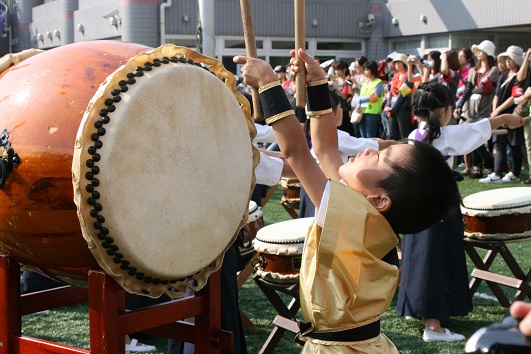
(109,321)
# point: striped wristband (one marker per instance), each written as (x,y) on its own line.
(318,99)
(274,102)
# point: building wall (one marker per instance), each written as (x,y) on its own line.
(94,18)
(340,20)
(455,15)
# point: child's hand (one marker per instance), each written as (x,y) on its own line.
(513,121)
(255,72)
(313,69)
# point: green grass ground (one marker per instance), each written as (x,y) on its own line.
(69,325)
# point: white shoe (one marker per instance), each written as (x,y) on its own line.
(447,336)
(142,348)
(461,165)
(491,178)
(510,177)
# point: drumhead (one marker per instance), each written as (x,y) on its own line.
(496,202)
(283,238)
(162,135)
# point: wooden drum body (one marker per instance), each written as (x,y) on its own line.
(498,214)
(119,121)
(279,251)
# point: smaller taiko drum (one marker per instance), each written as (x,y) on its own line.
(498,214)
(279,251)
(291,190)
(255,222)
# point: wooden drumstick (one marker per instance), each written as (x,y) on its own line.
(300,42)
(499,131)
(250,48)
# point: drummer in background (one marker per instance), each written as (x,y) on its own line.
(378,199)
(428,289)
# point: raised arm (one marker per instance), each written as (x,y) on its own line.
(323,127)
(286,127)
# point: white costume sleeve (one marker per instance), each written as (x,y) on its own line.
(269,170)
(350,146)
(264,134)
(461,139)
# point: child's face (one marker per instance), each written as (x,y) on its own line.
(364,172)
(446,115)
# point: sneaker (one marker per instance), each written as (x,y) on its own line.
(461,165)
(136,347)
(492,178)
(510,177)
(447,336)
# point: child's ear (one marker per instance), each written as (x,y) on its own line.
(382,203)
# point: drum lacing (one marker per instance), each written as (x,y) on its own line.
(498,209)
(103,235)
(298,242)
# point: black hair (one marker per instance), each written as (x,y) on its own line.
(372,67)
(423,190)
(436,57)
(426,98)
(340,65)
(361,60)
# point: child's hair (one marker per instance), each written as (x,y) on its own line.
(423,190)
(426,98)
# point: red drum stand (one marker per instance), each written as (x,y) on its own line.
(108,319)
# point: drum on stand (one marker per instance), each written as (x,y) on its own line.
(279,251)
(137,132)
(254,223)
(492,219)
(498,214)
(291,198)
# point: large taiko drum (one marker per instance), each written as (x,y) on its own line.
(498,214)
(140,133)
(279,251)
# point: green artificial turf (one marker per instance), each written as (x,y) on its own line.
(69,325)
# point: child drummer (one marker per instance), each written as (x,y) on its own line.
(364,203)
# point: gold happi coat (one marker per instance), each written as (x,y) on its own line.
(344,284)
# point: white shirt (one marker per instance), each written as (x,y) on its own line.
(350,146)
(264,134)
(459,139)
(269,170)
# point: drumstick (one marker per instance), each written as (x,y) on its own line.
(300,42)
(499,131)
(250,48)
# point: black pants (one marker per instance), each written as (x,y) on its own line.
(400,124)
(500,162)
(482,158)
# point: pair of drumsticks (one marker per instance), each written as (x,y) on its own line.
(300,42)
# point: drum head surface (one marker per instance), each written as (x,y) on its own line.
(497,202)
(163,169)
(286,237)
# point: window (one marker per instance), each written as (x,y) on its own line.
(438,41)
(405,46)
(240,44)
(467,40)
(354,46)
